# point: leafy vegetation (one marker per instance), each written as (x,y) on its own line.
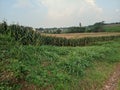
(26,36)
(97,27)
(76,30)
(51,67)
(25,61)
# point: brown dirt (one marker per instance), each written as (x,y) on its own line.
(26,86)
(111,83)
(82,35)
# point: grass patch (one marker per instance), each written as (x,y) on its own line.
(52,67)
(96,76)
(118,87)
(112,28)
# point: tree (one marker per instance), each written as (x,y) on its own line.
(3,27)
(76,29)
(58,31)
(98,27)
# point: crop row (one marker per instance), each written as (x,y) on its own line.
(26,36)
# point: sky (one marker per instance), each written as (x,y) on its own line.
(59,13)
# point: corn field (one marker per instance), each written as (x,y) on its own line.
(27,36)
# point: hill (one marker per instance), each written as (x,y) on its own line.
(112,28)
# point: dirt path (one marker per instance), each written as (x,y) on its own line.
(111,83)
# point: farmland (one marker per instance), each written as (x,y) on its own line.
(83,35)
(112,28)
(32,61)
(59,44)
(52,67)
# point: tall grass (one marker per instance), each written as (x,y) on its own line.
(49,66)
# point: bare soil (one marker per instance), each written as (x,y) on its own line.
(111,83)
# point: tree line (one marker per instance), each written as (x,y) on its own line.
(97,27)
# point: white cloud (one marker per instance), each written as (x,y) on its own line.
(69,11)
(91,2)
(64,12)
(117,10)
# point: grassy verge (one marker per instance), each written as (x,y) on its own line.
(118,87)
(56,68)
(96,76)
